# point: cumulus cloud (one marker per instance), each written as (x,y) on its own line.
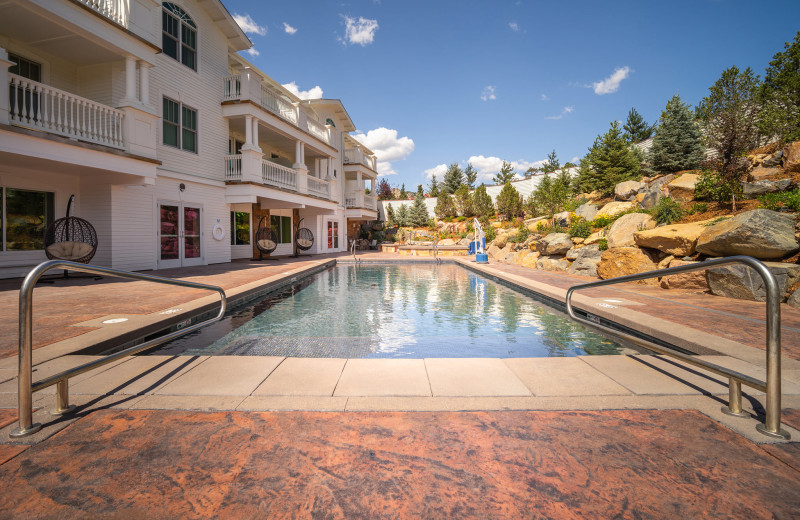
(249,25)
(288,29)
(438,170)
(611,83)
(312,93)
(252,52)
(361,31)
(565,111)
(488,93)
(387,147)
(488,167)
(514,26)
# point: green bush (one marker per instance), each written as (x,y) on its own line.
(602,244)
(573,204)
(667,211)
(787,199)
(580,228)
(603,221)
(546,229)
(712,186)
(698,207)
(490,233)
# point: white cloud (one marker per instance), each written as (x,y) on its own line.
(545,98)
(611,83)
(252,52)
(289,29)
(249,25)
(575,160)
(312,93)
(361,31)
(488,93)
(387,147)
(488,167)
(438,170)
(565,111)
(514,26)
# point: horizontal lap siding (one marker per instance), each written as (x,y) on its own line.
(134,229)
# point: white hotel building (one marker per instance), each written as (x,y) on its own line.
(174,145)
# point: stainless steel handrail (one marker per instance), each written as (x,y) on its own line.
(353,250)
(772,386)
(27,387)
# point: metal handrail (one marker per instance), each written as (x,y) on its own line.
(353,250)
(772,386)
(27,387)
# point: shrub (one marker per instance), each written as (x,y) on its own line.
(546,229)
(574,204)
(786,199)
(667,211)
(580,228)
(698,207)
(490,233)
(712,186)
(602,244)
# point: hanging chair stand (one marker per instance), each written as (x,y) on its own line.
(70,238)
(266,240)
(303,239)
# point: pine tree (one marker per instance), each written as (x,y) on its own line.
(384,190)
(551,164)
(470,176)
(506,174)
(433,191)
(779,95)
(418,214)
(636,128)
(530,172)
(509,202)
(609,161)
(445,206)
(677,144)
(403,192)
(482,202)
(453,178)
(552,193)
(391,219)
(402,215)
(463,200)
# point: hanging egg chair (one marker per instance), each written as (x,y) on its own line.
(266,239)
(70,238)
(303,239)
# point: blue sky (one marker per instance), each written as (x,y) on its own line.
(430,83)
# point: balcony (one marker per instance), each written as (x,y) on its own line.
(115,10)
(38,106)
(358,199)
(277,176)
(356,156)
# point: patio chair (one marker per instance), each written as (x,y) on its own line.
(266,239)
(70,238)
(303,239)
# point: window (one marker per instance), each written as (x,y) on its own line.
(24,103)
(179,126)
(25,215)
(179,35)
(240,228)
(333,235)
(283,227)
(25,68)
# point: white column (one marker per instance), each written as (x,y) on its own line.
(248,132)
(299,155)
(4,100)
(144,82)
(130,80)
(255,135)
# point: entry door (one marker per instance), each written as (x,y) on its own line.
(180,238)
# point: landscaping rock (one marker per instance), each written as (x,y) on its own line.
(587,211)
(533,223)
(673,239)
(595,237)
(753,189)
(577,240)
(693,281)
(447,242)
(627,190)
(773,160)
(501,239)
(622,230)
(623,261)
(465,242)
(760,173)
(794,299)
(664,263)
(572,254)
(493,251)
(562,219)
(586,260)
(760,233)
(791,157)
(743,283)
(613,209)
(552,263)
(554,244)
(661,181)
(651,198)
(682,188)
(530,260)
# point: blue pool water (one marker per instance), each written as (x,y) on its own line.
(398,311)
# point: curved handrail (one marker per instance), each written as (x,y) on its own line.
(27,387)
(772,387)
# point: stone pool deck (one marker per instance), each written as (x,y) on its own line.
(247,437)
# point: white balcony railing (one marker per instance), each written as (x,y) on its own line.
(115,10)
(319,187)
(358,199)
(233,167)
(277,175)
(350,200)
(354,156)
(318,130)
(231,87)
(40,107)
(371,202)
(278,106)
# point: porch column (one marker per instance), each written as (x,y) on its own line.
(130,80)
(255,134)
(299,155)
(248,132)
(144,82)
(4,101)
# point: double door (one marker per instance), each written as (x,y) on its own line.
(179,235)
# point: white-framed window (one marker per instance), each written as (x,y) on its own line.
(333,234)
(178,35)
(179,128)
(240,228)
(24,216)
(283,227)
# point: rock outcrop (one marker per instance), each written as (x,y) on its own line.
(759,233)
(622,230)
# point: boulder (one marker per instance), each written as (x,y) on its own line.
(753,189)
(651,197)
(623,261)
(760,173)
(465,242)
(533,223)
(628,189)
(577,240)
(673,239)
(530,260)
(664,263)
(760,233)
(586,260)
(743,283)
(773,160)
(554,244)
(658,182)
(587,211)
(794,299)
(595,237)
(562,219)
(519,257)
(502,239)
(447,242)
(572,254)
(791,157)
(622,230)
(693,281)
(493,251)
(594,195)
(682,188)
(613,209)
(552,263)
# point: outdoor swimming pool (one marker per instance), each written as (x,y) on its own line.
(397,311)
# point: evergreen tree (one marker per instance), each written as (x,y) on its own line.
(434,189)
(610,161)
(445,206)
(531,206)
(453,178)
(402,215)
(551,164)
(506,174)
(509,202)
(779,95)
(636,128)
(530,172)
(418,214)
(470,176)
(391,219)
(463,200)
(552,193)
(482,203)
(677,144)
(384,190)
(403,192)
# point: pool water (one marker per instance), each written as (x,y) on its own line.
(397,311)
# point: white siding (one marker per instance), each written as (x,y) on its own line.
(96,207)
(134,229)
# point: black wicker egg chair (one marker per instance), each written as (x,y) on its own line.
(303,239)
(71,238)
(266,239)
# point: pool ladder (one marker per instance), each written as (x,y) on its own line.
(772,386)
(61,380)
(356,260)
